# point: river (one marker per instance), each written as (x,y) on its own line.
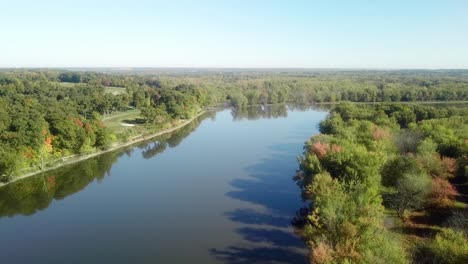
(219,190)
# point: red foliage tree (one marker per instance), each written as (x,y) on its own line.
(379,133)
(443,193)
(78,122)
(321,149)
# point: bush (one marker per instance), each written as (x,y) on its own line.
(450,246)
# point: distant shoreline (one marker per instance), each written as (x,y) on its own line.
(139,138)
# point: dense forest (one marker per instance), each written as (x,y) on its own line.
(49,115)
(387,183)
(43,120)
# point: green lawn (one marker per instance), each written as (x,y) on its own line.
(67,84)
(121,121)
(107,89)
(115,90)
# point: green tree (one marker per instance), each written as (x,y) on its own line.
(155,115)
(450,246)
(9,162)
(412,190)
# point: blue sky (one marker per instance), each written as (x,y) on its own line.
(242,33)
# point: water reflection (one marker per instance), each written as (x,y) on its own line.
(273,111)
(36,193)
(239,204)
(28,196)
(172,140)
(259,112)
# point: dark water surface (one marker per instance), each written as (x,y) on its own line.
(217,191)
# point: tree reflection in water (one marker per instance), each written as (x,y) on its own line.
(272,111)
(28,196)
(172,140)
(259,112)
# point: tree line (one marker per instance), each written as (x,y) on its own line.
(49,114)
(374,161)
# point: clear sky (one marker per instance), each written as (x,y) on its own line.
(235,33)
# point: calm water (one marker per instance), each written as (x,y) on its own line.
(217,191)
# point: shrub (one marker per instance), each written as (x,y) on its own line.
(442,194)
(450,246)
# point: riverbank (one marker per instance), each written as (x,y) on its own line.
(134,140)
(393,102)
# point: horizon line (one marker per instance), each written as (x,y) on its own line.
(227,68)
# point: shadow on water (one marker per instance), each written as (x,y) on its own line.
(241,255)
(252,217)
(270,185)
(275,237)
(270,237)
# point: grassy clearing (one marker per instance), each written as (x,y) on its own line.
(115,90)
(67,84)
(128,118)
(107,89)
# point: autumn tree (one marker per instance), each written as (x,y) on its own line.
(442,194)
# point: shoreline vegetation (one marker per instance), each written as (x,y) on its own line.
(53,114)
(386,182)
(64,161)
(78,158)
(457,102)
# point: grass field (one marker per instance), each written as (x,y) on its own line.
(107,89)
(128,118)
(115,90)
(67,84)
